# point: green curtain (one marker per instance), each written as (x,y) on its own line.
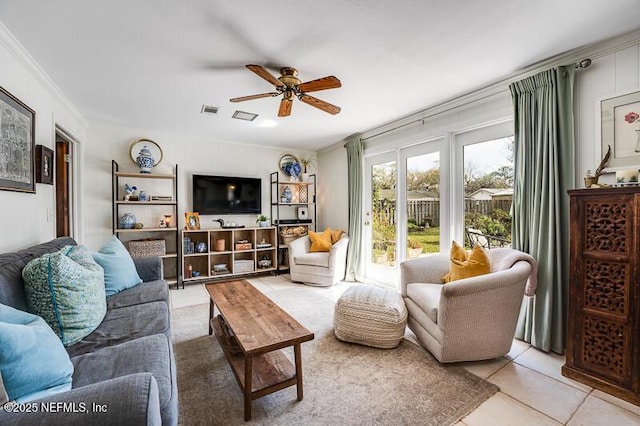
(544,171)
(355,167)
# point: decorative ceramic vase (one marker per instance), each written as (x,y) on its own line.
(220,245)
(201,247)
(287,195)
(145,160)
(142,196)
(128,221)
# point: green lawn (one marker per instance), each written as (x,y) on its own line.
(429,238)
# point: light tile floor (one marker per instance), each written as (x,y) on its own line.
(532,390)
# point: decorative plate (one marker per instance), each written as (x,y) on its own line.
(155,149)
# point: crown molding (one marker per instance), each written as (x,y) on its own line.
(21,54)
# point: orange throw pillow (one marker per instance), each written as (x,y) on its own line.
(320,242)
(335,235)
(466,265)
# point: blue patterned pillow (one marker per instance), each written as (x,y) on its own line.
(66,289)
(32,360)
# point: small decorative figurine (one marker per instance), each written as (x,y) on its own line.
(145,160)
(129,190)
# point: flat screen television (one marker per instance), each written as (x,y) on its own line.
(226,195)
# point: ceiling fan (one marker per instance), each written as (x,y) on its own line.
(289,85)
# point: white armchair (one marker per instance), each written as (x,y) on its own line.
(469,319)
(318,268)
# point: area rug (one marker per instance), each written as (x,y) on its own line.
(344,384)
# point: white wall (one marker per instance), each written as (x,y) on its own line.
(24,216)
(333,195)
(192,155)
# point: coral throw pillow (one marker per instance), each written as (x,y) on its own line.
(320,242)
(466,265)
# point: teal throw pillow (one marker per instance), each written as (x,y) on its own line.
(32,359)
(120,272)
(66,289)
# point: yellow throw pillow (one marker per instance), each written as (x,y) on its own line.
(335,235)
(320,242)
(477,263)
(457,253)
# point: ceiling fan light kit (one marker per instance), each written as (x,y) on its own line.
(289,86)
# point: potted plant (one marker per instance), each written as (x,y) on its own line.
(306,165)
(262,220)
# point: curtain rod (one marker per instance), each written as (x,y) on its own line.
(582,64)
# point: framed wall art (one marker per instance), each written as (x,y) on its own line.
(620,128)
(44,165)
(17,135)
(192,221)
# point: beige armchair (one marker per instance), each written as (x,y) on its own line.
(469,319)
(321,268)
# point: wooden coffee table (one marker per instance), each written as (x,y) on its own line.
(251,330)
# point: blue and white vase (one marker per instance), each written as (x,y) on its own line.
(286,195)
(145,160)
(127,221)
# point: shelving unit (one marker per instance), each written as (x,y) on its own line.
(284,214)
(149,213)
(222,254)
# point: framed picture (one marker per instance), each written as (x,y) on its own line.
(17,135)
(620,128)
(192,220)
(44,165)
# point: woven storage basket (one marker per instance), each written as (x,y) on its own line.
(243,266)
(243,246)
(370,316)
(146,248)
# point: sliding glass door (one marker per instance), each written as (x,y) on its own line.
(406,213)
(381,173)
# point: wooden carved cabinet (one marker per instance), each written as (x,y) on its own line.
(603,336)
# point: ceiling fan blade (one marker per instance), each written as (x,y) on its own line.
(248,98)
(266,75)
(315,102)
(323,83)
(285,108)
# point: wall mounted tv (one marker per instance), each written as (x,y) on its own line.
(226,195)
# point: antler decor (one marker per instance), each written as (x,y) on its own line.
(590,180)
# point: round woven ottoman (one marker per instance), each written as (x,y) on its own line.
(370,316)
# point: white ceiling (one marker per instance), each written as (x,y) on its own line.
(153,63)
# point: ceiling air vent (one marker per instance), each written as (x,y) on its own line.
(208,109)
(242,115)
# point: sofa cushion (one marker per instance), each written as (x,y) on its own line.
(427,296)
(151,291)
(124,324)
(11,265)
(152,354)
(119,270)
(313,259)
(320,242)
(66,288)
(32,358)
(465,265)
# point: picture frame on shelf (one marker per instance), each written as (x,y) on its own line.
(18,167)
(44,165)
(192,221)
(619,126)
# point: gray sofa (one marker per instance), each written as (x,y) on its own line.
(126,365)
